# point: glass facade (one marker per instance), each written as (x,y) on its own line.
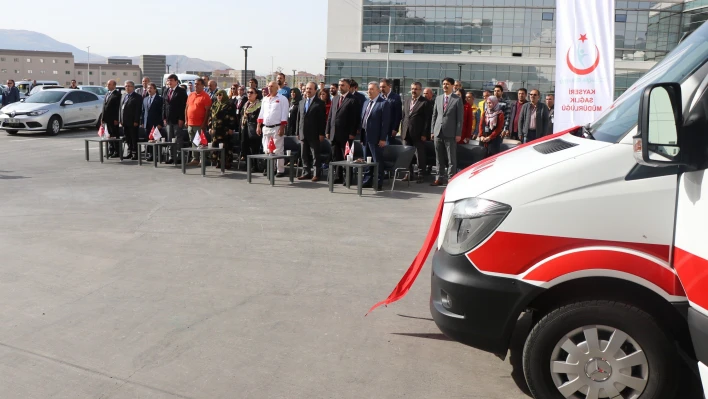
(644,31)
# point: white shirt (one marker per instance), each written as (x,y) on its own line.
(274,110)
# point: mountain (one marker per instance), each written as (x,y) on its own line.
(28,40)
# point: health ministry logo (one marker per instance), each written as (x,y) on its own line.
(582,64)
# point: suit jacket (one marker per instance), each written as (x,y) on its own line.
(173,109)
(378,123)
(142,91)
(152,115)
(131,109)
(543,120)
(343,121)
(311,124)
(448,122)
(361,98)
(396,109)
(416,121)
(514,109)
(111,107)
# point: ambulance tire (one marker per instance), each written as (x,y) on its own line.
(643,333)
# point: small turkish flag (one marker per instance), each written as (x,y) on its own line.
(156,133)
(202,139)
(152,134)
(346,149)
(101,130)
(271,145)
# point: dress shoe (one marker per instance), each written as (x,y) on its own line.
(437,183)
(279,174)
(170,162)
(193,163)
(305,177)
(315,179)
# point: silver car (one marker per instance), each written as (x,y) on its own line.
(51,111)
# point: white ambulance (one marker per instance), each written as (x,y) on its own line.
(600,234)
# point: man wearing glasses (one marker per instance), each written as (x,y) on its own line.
(534,121)
(11,94)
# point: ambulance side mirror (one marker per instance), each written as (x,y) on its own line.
(659,126)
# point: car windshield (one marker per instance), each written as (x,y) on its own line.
(678,65)
(46,97)
(101,91)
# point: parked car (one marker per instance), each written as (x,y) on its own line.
(100,91)
(24,86)
(39,88)
(2,90)
(51,111)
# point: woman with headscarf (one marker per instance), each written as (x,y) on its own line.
(295,98)
(222,124)
(250,140)
(492,123)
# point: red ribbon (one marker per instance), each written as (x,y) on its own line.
(406,282)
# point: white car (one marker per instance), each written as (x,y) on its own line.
(100,91)
(51,111)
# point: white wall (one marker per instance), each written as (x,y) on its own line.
(344,19)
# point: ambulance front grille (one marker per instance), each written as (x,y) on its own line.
(549,147)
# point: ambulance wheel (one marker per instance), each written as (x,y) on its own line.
(600,349)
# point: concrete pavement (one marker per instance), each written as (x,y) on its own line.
(120,281)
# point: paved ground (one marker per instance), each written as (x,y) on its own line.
(119,281)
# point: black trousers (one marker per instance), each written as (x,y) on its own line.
(338,155)
(310,153)
(114,131)
(131,136)
(420,154)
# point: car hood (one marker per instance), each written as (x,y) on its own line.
(23,107)
(517,162)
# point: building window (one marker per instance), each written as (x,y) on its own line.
(68,83)
(41,60)
(620,17)
(4,71)
(29,60)
(17,71)
(125,73)
(29,71)
(55,72)
(547,16)
(135,74)
(90,72)
(80,82)
(78,72)
(66,61)
(113,73)
(67,72)
(42,71)
(17,60)
(54,61)
(103,73)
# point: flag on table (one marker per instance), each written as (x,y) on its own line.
(271,145)
(101,131)
(197,139)
(152,134)
(156,133)
(346,149)
(202,139)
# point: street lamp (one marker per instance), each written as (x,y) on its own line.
(88,63)
(245,62)
(168,68)
(459,67)
(293,78)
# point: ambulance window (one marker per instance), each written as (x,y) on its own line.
(681,63)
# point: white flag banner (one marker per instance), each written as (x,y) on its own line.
(585,61)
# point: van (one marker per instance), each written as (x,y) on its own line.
(25,86)
(595,235)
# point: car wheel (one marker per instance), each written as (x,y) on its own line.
(600,349)
(12,132)
(54,125)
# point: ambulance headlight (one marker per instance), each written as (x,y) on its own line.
(472,220)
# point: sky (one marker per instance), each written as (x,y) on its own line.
(292,32)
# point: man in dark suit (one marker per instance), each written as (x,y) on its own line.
(415,128)
(375,129)
(151,113)
(111,114)
(354,90)
(311,121)
(447,130)
(130,112)
(173,111)
(343,124)
(534,120)
(395,105)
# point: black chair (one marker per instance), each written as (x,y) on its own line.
(469,154)
(508,144)
(358,149)
(397,158)
(293,144)
(236,148)
(394,141)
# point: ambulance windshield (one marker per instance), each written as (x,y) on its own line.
(678,65)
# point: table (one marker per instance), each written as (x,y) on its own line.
(204,151)
(100,142)
(156,153)
(270,162)
(348,165)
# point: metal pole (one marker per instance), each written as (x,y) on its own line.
(99,76)
(459,67)
(294,84)
(88,64)
(388,48)
(245,64)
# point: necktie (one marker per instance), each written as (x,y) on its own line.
(341,98)
(413,101)
(307,105)
(445,104)
(149,102)
(366,114)
(169,95)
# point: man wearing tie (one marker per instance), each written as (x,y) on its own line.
(173,113)
(311,121)
(343,124)
(395,106)
(415,128)
(145,88)
(375,128)
(152,113)
(111,114)
(447,130)
(130,112)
